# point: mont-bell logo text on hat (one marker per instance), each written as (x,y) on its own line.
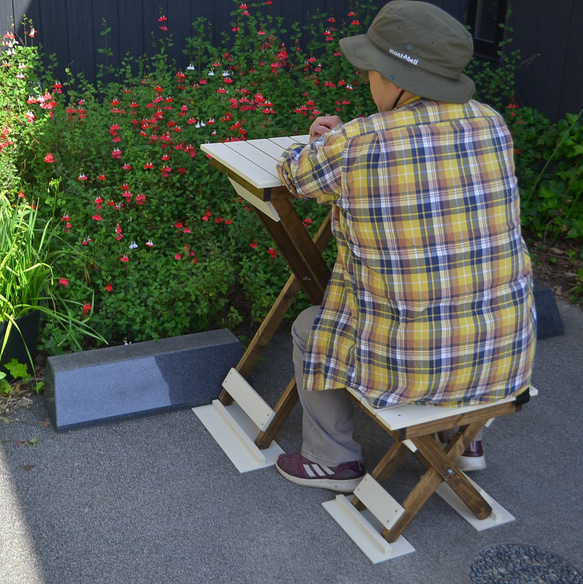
(403,56)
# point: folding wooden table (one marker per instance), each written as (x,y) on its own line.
(246,429)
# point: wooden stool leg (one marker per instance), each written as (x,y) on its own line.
(462,439)
(455,478)
(440,468)
(413,503)
(390,462)
(461,493)
(457,445)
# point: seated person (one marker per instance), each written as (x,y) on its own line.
(430,300)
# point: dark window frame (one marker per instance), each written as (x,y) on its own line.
(487,48)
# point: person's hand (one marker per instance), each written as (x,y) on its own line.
(322,125)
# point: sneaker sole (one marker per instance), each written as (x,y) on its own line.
(471,463)
(340,486)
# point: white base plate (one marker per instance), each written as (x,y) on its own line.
(235,433)
(499,515)
(365,531)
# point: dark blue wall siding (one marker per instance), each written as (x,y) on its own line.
(71,29)
(550,30)
(549,36)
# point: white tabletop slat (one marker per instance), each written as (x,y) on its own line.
(274,147)
(255,155)
(268,147)
(254,160)
(287,141)
(242,166)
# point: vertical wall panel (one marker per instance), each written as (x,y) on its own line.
(199,10)
(130,23)
(571,88)
(205,10)
(81,36)
(151,12)
(222,18)
(15,10)
(551,46)
(179,18)
(6,15)
(54,27)
(32,11)
(106,15)
(294,11)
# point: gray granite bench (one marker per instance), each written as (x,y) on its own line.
(549,323)
(83,389)
(115,383)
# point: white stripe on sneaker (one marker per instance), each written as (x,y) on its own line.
(314,469)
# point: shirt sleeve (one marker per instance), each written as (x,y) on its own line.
(315,170)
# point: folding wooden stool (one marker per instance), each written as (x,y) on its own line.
(374,520)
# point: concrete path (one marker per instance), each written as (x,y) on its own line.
(155,500)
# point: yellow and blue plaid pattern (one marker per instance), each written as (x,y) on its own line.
(430,299)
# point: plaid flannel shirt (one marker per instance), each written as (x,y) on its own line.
(430,299)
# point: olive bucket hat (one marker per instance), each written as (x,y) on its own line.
(417,46)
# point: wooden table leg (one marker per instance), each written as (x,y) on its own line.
(265,332)
(272,321)
(282,409)
(280,308)
(299,250)
(277,313)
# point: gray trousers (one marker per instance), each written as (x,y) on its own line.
(328,418)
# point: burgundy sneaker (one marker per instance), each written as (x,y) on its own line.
(473,457)
(343,478)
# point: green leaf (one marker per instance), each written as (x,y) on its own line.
(17,370)
(5,387)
